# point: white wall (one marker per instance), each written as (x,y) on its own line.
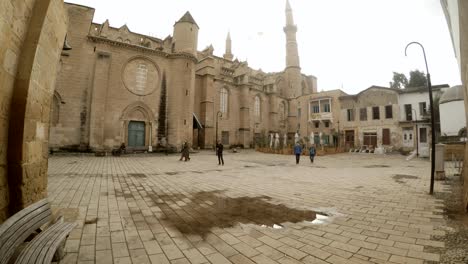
(414,99)
(450,8)
(452,117)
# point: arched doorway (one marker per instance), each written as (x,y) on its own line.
(136,134)
(137,127)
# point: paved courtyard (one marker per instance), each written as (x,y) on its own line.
(258,208)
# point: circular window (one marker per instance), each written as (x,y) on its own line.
(140,76)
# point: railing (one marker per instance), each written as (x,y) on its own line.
(227,71)
(321,116)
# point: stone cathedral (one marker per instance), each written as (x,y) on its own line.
(115,86)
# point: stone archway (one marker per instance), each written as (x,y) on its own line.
(32,58)
(138,121)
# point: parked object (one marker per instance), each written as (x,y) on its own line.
(439,162)
(44,246)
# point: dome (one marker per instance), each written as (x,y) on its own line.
(454,93)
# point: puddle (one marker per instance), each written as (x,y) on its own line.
(275,226)
(319,219)
(199,172)
(137,175)
(376,166)
(358,187)
(172,172)
(207,210)
(399,177)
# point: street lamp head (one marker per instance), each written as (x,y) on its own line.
(424,53)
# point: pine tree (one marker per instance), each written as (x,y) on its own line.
(162,118)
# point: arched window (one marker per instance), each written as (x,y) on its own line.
(141,76)
(282,112)
(119,39)
(223,100)
(127,41)
(257,106)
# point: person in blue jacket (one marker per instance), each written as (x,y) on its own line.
(312,153)
(297,152)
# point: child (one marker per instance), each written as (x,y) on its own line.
(312,153)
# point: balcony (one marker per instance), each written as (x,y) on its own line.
(321,116)
(426,115)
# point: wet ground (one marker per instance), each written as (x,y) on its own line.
(258,208)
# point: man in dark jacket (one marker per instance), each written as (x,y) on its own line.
(185,152)
(297,152)
(219,152)
(312,152)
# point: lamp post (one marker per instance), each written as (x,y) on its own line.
(218,114)
(417,142)
(338,137)
(253,137)
(429,87)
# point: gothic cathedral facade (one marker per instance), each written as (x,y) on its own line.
(115,86)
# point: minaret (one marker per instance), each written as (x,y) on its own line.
(293,68)
(228,54)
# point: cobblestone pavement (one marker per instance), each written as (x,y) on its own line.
(157,209)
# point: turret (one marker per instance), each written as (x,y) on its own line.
(292,54)
(185,37)
(293,68)
(228,54)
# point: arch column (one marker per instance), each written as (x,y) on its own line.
(37,60)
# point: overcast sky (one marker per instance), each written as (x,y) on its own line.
(348,45)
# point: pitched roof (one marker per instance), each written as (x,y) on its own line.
(288,6)
(372,87)
(422,88)
(187,17)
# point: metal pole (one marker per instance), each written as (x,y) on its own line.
(433,138)
(417,142)
(429,87)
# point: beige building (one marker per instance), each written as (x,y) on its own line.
(116,86)
(320,117)
(371,118)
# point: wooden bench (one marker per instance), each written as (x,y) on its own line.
(42,248)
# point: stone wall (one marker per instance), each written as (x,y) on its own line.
(369,98)
(32,37)
(463,12)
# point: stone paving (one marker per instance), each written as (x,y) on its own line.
(153,209)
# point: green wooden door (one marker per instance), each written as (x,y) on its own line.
(136,134)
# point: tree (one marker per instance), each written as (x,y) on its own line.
(162,118)
(417,79)
(399,81)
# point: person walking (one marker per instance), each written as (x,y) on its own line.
(297,152)
(185,152)
(219,152)
(312,152)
